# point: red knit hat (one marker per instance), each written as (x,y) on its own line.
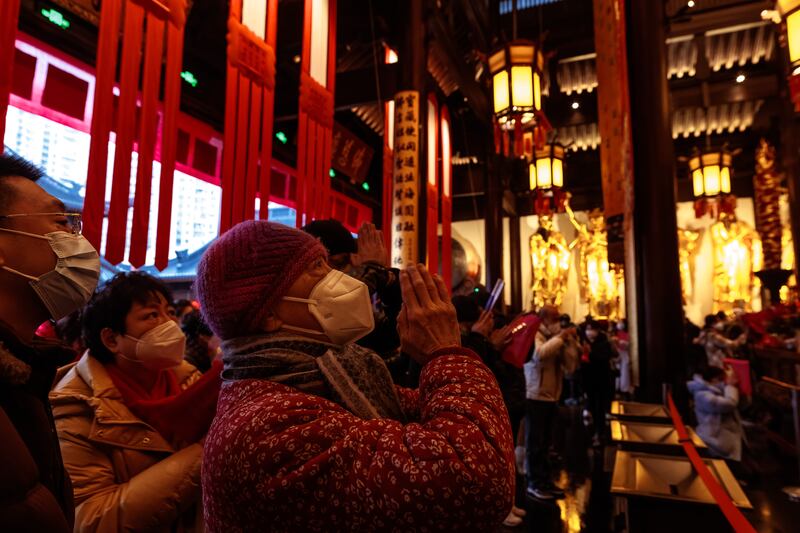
(245,272)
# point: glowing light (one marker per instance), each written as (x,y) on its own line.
(575,105)
(281,136)
(740,78)
(56,18)
(332,173)
(690,3)
(365,186)
(189,78)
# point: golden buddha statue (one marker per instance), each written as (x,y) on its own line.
(737,255)
(550,261)
(599,286)
(688,243)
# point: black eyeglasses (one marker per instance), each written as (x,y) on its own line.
(73,220)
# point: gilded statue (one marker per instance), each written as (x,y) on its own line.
(550,262)
(768,190)
(737,255)
(688,243)
(598,282)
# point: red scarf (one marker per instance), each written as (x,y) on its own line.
(180,416)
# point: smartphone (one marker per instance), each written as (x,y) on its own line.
(495,296)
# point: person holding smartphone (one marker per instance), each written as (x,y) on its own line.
(555,353)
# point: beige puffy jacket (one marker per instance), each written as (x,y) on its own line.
(126,476)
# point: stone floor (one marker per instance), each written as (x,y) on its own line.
(585,475)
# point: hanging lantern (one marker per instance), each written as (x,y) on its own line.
(711,173)
(790,12)
(516,71)
(546,171)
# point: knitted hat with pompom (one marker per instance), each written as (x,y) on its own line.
(246,272)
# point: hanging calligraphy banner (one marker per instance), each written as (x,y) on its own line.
(405,202)
(249,105)
(147,25)
(613,106)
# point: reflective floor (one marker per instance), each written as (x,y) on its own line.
(585,475)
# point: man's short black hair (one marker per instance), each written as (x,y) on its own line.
(713,372)
(111,304)
(14,165)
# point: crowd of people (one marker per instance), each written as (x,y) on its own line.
(309,386)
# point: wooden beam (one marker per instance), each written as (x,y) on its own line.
(476,96)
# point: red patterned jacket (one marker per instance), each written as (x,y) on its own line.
(277,459)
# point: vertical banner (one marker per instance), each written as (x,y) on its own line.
(616,151)
(432,187)
(447,200)
(152,30)
(613,107)
(405,202)
(9,13)
(388,158)
(249,102)
(315,116)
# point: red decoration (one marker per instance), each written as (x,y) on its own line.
(167,16)
(447,202)
(9,13)
(249,108)
(794,89)
(432,189)
(547,202)
(314,137)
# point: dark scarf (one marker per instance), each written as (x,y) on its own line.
(352,376)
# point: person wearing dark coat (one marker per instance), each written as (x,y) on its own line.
(47,271)
(598,376)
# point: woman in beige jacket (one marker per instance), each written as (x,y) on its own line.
(128,474)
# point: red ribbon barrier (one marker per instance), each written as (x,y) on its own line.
(731,512)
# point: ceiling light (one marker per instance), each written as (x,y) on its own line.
(575,105)
(296,59)
(740,78)
(690,3)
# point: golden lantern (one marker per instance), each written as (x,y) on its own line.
(790,12)
(547,169)
(516,71)
(711,173)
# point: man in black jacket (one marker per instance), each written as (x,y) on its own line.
(597,376)
(35,490)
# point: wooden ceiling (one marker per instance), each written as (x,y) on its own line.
(708,47)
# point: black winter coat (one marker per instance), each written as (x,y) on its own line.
(35,490)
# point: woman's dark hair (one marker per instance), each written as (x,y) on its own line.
(69,328)
(193,325)
(110,305)
(713,372)
(710,321)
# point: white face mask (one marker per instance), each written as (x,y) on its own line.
(162,347)
(342,307)
(72,282)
